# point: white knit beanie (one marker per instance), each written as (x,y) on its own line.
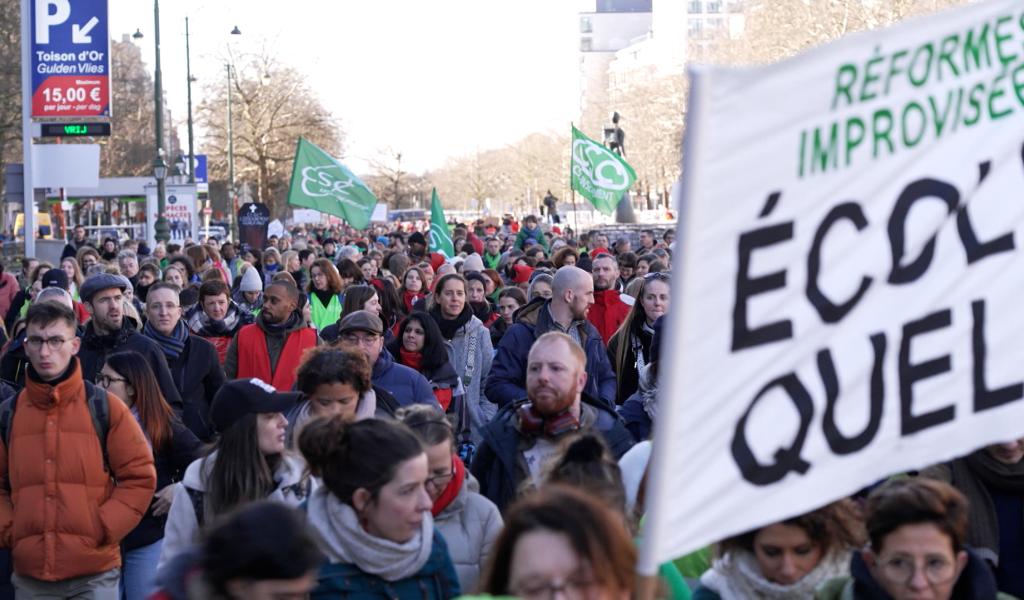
(251,281)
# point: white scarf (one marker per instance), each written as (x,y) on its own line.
(736,576)
(344,540)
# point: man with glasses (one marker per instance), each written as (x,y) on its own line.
(110,331)
(193,361)
(364,330)
(271,348)
(78,480)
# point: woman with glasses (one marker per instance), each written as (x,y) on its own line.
(561,542)
(630,347)
(917,529)
(128,376)
(324,294)
(469,522)
(372,515)
(791,559)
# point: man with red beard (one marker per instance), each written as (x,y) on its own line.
(523,435)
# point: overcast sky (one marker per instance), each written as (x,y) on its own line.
(433,78)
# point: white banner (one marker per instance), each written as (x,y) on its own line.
(851,277)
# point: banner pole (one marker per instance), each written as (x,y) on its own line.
(669,379)
(572,190)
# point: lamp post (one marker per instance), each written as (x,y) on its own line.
(231,151)
(191,139)
(162,230)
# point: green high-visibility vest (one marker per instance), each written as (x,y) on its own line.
(321,315)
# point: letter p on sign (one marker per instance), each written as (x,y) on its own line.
(45,19)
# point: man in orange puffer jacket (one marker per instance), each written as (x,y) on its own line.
(67,502)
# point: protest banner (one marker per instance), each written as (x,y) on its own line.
(322,183)
(848,297)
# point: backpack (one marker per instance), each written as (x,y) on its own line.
(99,410)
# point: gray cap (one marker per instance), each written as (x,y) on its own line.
(361,320)
(100,282)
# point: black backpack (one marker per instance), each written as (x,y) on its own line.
(99,410)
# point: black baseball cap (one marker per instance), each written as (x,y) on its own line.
(55,278)
(241,397)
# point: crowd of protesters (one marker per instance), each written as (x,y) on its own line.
(347,414)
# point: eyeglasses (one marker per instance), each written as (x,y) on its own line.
(440,481)
(53,343)
(105,380)
(901,569)
(570,588)
(359,340)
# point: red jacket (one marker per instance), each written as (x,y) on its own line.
(607,313)
(254,356)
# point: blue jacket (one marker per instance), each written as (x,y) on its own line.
(436,580)
(507,381)
(635,417)
(496,465)
(407,386)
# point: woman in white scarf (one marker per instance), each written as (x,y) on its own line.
(372,514)
(788,560)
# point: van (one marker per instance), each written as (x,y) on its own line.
(43,225)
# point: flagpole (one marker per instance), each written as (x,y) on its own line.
(572,190)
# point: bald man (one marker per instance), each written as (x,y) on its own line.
(522,437)
(272,347)
(572,295)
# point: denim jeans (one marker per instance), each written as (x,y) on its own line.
(138,571)
(101,586)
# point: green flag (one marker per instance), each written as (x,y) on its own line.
(322,183)
(440,239)
(599,174)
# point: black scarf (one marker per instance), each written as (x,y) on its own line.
(449,327)
(974,475)
(281,328)
(324,296)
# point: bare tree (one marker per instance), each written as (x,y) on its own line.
(389,177)
(272,107)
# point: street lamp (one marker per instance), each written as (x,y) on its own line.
(231,151)
(162,229)
(191,138)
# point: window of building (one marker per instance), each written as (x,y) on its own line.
(586,25)
(713,6)
(695,7)
(586,44)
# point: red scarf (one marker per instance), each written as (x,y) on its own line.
(451,492)
(413,360)
(410,298)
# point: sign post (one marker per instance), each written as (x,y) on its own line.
(70,59)
(28,204)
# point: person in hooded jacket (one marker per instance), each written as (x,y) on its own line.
(992,479)
(249,295)
(917,532)
(215,318)
(789,559)
(468,522)
(193,361)
(469,346)
(335,381)
(530,231)
(372,515)
(248,462)
(609,311)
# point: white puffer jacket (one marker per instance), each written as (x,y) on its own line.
(469,525)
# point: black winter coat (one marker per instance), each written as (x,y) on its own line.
(95,348)
(197,375)
(170,467)
(496,465)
